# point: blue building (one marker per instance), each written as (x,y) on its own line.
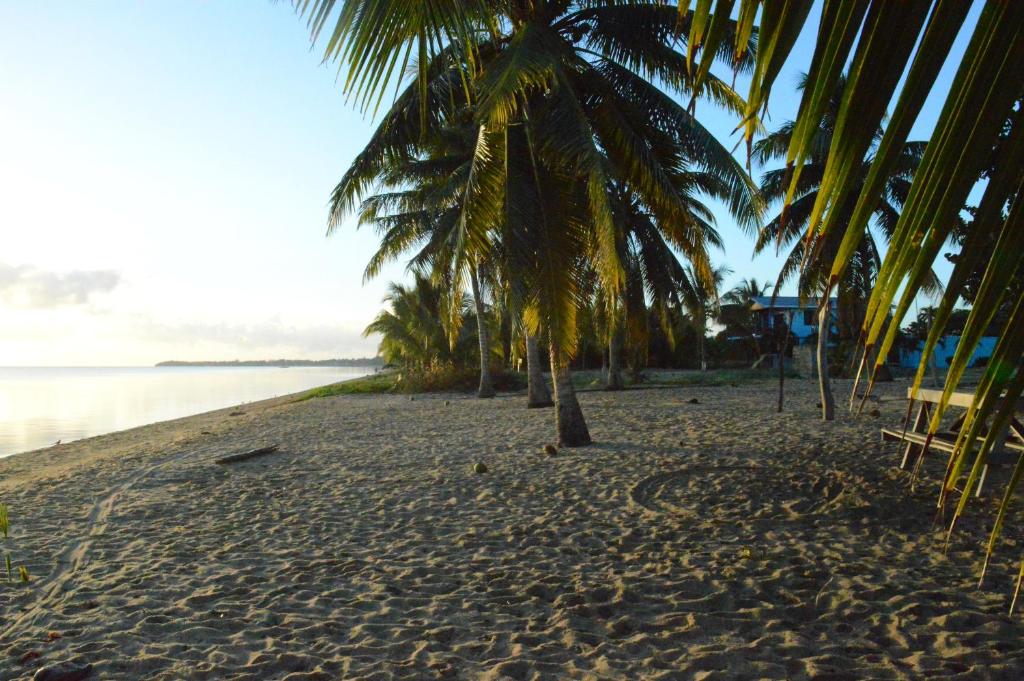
(944,351)
(804,324)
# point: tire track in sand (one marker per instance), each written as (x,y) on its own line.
(76,553)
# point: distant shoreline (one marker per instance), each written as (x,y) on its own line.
(360,362)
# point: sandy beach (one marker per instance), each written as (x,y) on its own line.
(715,540)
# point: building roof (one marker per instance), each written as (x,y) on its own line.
(786,303)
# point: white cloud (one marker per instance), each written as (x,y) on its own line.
(28,287)
(268,339)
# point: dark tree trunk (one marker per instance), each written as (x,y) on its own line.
(637,364)
(702,330)
(486,388)
(782,359)
(537,394)
(506,340)
(572,427)
(614,361)
(828,402)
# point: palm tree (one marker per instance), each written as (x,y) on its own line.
(655,279)
(410,333)
(563,98)
(537,393)
(422,208)
(736,314)
(789,227)
(704,303)
(895,51)
(502,279)
(746,291)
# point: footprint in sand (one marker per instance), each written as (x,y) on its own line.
(739,493)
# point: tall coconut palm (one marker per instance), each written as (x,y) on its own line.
(655,278)
(564,98)
(789,227)
(513,295)
(895,51)
(421,209)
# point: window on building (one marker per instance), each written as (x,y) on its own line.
(809,318)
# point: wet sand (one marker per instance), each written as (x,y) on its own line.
(716,540)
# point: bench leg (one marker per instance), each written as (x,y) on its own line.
(920,426)
(997,446)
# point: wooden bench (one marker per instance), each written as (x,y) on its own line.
(1009,445)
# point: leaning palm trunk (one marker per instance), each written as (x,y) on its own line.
(536,389)
(828,403)
(614,361)
(486,388)
(572,427)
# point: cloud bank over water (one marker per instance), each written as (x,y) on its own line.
(25,286)
(259,340)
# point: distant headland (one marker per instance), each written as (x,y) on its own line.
(358,362)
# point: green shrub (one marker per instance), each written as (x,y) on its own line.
(456,379)
(374,384)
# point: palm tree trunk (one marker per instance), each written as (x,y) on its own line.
(700,341)
(614,381)
(572,427)
(486,388)
(537,394)
(828,402)
(506,339)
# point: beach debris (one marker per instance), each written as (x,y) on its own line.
(53,636)
(480,467)
(245,456)
(875,412)
(446,403)
(205,432)
(237,412)
(693,400)
(550,450)
(29,656)
(56,443)
(63,671)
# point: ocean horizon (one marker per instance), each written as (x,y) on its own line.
(42,405)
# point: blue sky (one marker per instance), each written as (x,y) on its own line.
(164,174)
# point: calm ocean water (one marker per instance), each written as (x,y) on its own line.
(39,406)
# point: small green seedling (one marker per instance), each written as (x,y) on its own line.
(5,531)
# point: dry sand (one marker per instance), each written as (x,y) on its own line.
(710,540)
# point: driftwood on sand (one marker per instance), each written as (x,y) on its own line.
(245,456)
